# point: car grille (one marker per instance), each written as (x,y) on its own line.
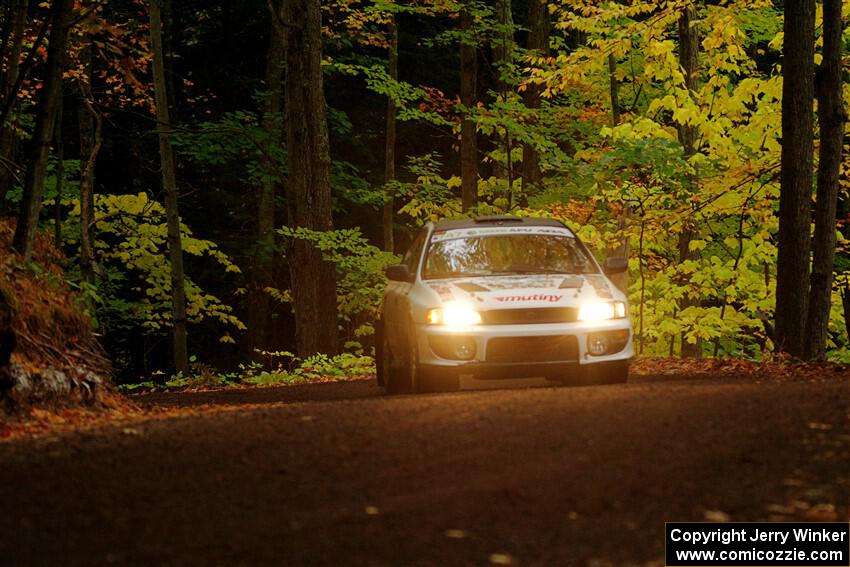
(562,348)
(530,316)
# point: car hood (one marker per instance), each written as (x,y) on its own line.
(522,292)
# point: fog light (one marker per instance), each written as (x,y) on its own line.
(453,347)
(598,344)
(465,350)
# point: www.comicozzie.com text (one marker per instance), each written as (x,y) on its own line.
(743,534)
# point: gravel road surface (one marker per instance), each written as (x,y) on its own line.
(338,474)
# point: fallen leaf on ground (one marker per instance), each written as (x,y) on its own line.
(717,516)
(501,559)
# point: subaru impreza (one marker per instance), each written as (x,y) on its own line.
(498,298)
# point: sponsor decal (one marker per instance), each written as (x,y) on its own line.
(444,291)
(519,282)
(500,230)
(551,298)
(471,287)
(600,285)
(572,282)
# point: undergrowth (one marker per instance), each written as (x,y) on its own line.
(275,368)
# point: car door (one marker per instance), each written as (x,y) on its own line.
(396,301)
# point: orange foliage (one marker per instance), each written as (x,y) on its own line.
(51,329)
(580,211)
(438,102)
(778,367)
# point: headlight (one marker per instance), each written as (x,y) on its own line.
(619,310)
(602,310)
(454,315)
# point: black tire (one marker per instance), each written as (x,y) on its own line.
(605,373)
(407,376)
(381,355)
(401,375)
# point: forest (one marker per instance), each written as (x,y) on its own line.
(221,185)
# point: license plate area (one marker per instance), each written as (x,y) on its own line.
(560,348)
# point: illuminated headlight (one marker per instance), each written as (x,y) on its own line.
(454,315)
(602,310)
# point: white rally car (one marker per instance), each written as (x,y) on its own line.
(498,298)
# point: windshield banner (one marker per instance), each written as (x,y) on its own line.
(440,235)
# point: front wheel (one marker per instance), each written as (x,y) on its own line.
(605,373)
(382,355)
(401,376)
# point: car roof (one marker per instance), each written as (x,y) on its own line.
(501,220)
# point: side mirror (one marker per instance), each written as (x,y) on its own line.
(615,266)
(399,273)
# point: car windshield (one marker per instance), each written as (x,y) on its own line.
(506,254)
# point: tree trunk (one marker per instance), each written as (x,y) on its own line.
(621,250)
(503,49)
(689,60)
(843,213)
(169,188)
(389,172)
(90,125)
(60,172)
(8,342)
(33,55)
(91,139)
(614,89)
(792,270)
(309,206)
(167,14)
(259,306)
(538,43)
(831,121)
(48,105)
(468,98)
(845,303)
(11,62)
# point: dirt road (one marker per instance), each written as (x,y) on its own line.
(336,474)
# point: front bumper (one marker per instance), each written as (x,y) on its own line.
(483,364)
